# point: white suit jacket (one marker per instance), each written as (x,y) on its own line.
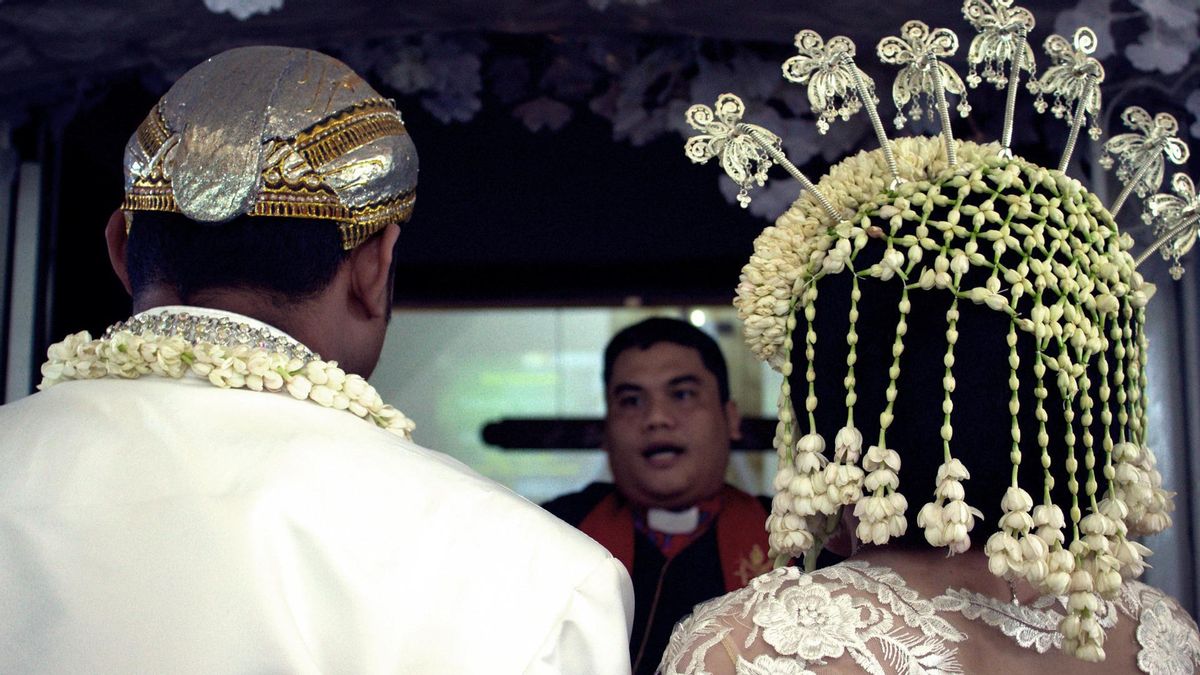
(163,526)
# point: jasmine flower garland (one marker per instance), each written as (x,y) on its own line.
(124,354)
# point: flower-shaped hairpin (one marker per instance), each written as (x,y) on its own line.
(744,159)
(1075,77)
(1176,221)
(837,87)
(1002,37)
(831,75)
(917,51)
(1003,32)
(1142,155)
(746,151)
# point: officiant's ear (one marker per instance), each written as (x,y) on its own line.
(116,233)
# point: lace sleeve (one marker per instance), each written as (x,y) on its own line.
(700,643)
(1167,638)
(724,649)
(719,632)
(849,616)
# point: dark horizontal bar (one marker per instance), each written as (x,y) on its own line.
(587,433)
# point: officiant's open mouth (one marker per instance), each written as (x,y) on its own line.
(663,456)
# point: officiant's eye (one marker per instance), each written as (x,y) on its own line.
(630,401)
(684,395)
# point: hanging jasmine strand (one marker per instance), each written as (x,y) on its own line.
(881,515)
(843,476)
(948,520)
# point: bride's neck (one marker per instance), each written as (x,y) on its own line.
(931,571)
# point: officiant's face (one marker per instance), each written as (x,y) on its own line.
(667,433)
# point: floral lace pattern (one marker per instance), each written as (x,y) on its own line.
(1032,626)
(827,625)
(1169,644)
(869,613)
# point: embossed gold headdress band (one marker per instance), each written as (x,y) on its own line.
(274,131)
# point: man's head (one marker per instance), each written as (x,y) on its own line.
(270,181)
(669,418)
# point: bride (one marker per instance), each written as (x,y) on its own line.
(987,482)
(962,335)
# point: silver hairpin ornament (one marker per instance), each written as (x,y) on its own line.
(1003,32)
(1175,219)
(746,151)
(1075,79)
(917,51)
(837,87)
(1141,156)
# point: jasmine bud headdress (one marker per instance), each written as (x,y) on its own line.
(974,225)
(228,140)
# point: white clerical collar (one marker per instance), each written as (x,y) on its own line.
(673,522)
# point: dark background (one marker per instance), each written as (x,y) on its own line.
(584,215)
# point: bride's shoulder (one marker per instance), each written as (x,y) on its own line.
(787,619)
(1166,634)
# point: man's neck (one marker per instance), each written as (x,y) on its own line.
(253,304)
(324,322)
(256,305)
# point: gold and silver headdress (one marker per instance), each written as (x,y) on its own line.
(274,131)
(979,226)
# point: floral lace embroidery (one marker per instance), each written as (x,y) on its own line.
(769,665)
(805,620)
(1168,639)
(1032,626)
(808,620)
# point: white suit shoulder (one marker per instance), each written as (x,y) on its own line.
(344,548)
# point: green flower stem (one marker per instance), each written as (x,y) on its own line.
(1014,400)
(1142,410)
(1124,354)
(947,430)
(852,356)
(1072,462)
(885,419)
(786,411)
(1040,392)
(1085,421)
(810,373)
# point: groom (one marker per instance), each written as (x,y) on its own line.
(199,491)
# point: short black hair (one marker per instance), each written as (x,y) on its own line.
(652,331)
(291,259)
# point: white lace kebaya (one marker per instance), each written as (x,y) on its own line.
(228,350)
(787,622)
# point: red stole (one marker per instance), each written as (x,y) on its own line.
(741,534)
